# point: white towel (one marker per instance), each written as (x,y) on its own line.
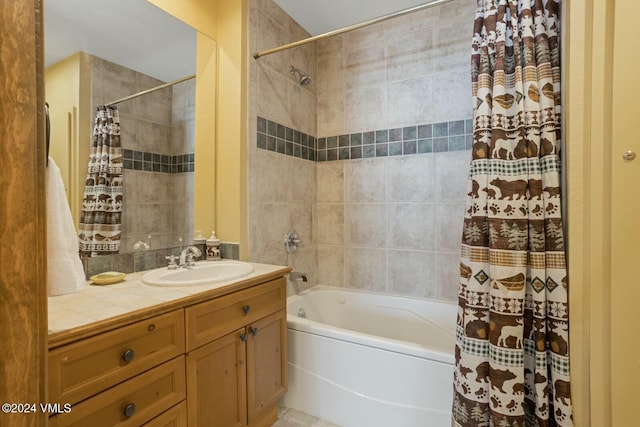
(65,274)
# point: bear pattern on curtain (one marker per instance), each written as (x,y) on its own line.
(101,216)
(512,356)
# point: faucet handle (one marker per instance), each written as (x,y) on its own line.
(172,262)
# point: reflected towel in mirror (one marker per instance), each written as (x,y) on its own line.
(64,268)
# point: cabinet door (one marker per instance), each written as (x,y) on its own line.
(174,417)
(216,383)
(266,365)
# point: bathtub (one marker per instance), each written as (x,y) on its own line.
(362,359)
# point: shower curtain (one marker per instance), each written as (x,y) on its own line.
(101,216)
(512,355)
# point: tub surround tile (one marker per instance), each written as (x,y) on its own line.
(402,206)
(331,224)
(366,269)
(330,182)
(451,176)
(391,140)
(365,181)
(447,276)
(411,179)
(411,226)
(331,265)
(412,273)
(449,218)
(366,225)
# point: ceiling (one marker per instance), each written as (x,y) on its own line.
(140,36)
(321,16)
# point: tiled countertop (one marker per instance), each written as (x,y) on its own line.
(110,305)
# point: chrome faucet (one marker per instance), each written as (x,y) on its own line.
(294,277)
(187,254)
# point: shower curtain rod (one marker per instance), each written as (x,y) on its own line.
(153,89)
(350,28)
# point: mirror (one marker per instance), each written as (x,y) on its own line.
(98,52)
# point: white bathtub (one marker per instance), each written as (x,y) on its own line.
(364,360)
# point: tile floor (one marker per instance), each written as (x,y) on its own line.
(291,418)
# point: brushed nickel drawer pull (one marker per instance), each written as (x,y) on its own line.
(130,409)
(128,355)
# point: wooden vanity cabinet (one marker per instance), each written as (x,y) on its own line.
(237,377)
(216,363)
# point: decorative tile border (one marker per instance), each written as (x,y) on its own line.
(154,162)
(281,139)
(428,138)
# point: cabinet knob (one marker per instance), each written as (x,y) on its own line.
(243,337)
(253,330)
(629,155)
(129,410)
(246,309)
(128,356)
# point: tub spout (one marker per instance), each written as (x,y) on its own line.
(294,276)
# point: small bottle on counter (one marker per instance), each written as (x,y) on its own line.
(199,241)
(213,247)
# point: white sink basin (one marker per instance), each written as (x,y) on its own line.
(203,273)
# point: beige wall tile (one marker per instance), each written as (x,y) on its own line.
(411,102)
(411,226)
(331,224)
(331,120)
(331,265)
(365,108)
(411,178)
(447,276)
(365,180)
(273,102)
(412,273)
(449,218)
(366,225)
(366,269)
(271,177)
(330,182)
(451,175)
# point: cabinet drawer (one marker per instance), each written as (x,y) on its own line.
(84,368)
(174,417)
(213,319)
(131,403)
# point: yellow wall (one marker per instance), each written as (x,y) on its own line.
(67,86)
(231,123)
(220,170)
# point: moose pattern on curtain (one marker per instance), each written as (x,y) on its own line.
(101,216)
(512,355)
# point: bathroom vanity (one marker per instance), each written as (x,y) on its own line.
(210,355)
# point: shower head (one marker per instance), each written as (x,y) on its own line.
(305,79)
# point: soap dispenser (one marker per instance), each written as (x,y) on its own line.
(213,247)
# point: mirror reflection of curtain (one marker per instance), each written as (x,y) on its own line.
(101,216)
